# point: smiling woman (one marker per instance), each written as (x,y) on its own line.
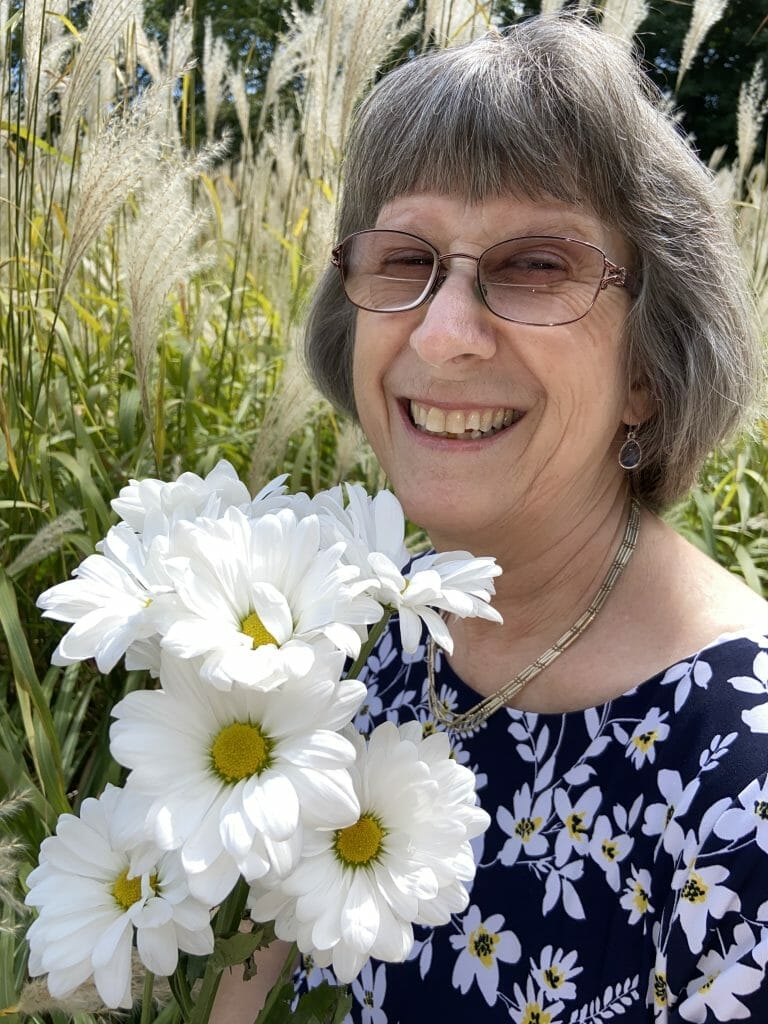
(536,312)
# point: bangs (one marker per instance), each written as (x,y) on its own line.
(485,121)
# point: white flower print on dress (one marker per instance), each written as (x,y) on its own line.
(482,945)
(752,816)
(554,972)
(636,898)
(684,674)
(559,885)
(369,989)
(724,977)
(577,818)
(700,896)
(641,745)
(608,850)
(524,825)
(661,819)
(529,1006)
(756,718)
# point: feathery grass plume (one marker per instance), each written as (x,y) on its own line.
(704,15)
(35,999)
(161,250)
(242,108)
(215,67)
(179,48)
(336,50)
(99,42)
(450,22)
(12,853)
(116,161)
(45,46)
(752,228)
(750,115)
(622,18)
(32,44)
(45,542)
(290,409)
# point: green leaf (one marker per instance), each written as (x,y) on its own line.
(237,948)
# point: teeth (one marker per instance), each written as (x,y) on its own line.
(461,423)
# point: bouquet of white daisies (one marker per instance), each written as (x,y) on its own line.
(248,791)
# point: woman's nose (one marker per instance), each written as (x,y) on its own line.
(455,323)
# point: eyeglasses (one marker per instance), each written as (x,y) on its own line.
(541,280)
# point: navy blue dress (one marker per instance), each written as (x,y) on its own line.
(625,871)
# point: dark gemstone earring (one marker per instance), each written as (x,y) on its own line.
(630,453)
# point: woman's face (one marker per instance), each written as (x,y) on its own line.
(452,364)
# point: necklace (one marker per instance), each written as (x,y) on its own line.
(483,710)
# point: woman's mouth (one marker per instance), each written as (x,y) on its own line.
(462,424)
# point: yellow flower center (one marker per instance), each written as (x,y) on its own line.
(239,751)
(253,627)
(127,891)
(695,889)
(554,977)
(535,1015)
(575,825)
(660,989)
(360,844)
(645,740)
(527,827)
(482,944)
(640,899)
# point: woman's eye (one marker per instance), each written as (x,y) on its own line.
(527,268)
(408,259)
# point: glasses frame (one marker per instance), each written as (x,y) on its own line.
(612,274)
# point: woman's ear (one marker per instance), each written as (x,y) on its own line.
(639,405)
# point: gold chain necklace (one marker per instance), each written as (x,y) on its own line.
(483,710)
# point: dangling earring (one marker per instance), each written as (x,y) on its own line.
(630,453)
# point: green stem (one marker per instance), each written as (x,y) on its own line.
(181,993)
(146,998)
(370,643)
(285,973)
(227,921)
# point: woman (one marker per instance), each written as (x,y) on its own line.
(538,316)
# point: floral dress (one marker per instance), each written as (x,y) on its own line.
(625,871)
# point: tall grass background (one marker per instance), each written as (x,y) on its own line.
(151,294)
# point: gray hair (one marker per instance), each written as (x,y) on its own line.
(555,108)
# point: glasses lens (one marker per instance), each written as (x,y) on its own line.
(387,271)
(541,280)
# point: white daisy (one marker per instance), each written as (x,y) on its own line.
(366,523)
(92,900)
(357,890)
(255,596)
(450,581)
(112,601)
(232,776)
(155,504)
